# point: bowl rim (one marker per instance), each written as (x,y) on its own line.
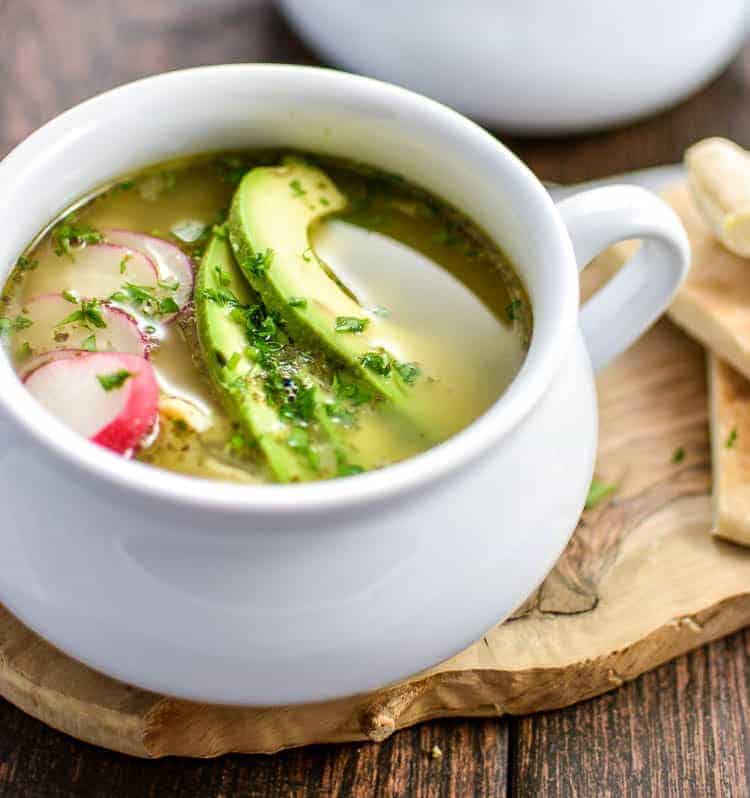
(550,340)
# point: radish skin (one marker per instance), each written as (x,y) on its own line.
(99,270)
(172,263)
(118,418)
(47,334)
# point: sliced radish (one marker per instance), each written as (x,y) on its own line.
(99,270)
(47,332)
(173,265)
(108,397)
(35,362)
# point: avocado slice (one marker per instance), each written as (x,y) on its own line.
(269,228)
(219,289)
(295,432)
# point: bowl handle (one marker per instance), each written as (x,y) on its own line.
(640,292)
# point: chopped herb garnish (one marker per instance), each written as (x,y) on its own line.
(408,372)
(234,361)
(117,379)
(237,443)
(168,285)
(71,234)
(71,297)
(24,351)
(21,323)
(597,492)
(350,324)
(351,391)
(325,202)
(349,470)
(259,263)
(168,305)
(220,231)
(678,455)
(731,438)
(26,264)
(297,189)
(124,263)
(88,313)
(513,310)
(379,362)
(89,344)
(142,297)
(14,325)
(150,329)
(307,255)
(223,278)
(297,302)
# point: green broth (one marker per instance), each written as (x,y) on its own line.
(459,376)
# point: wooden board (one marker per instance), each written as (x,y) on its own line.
(641,582)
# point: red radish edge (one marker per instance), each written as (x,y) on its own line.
(132,339)
(137,414)
(170,261)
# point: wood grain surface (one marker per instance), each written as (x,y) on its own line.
(678,731)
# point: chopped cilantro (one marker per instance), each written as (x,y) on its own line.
(124,263)
(678,455)
(297,189)
(325,202)
(234,361)
(88,313)
(14,325)
(259,263)
(26,264)
(731,438)
(117,379)
(237,442)
(71,234)
(70,296)
(513,310)
(379,362)
(408,372)
(597,492)
(142,297)
(300,407)
(297,302)
(350,324)
(168,305)
(89,344)
(349,470)
(351,391)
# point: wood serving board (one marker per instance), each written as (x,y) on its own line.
(641,582)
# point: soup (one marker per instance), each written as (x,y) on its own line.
(265,317)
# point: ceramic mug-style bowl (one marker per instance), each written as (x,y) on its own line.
(284,593)
(532,66)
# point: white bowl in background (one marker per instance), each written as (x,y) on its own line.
(532,66)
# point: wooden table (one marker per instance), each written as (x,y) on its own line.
(678,731)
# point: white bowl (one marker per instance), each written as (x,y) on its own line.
(532,66)
(280,593)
